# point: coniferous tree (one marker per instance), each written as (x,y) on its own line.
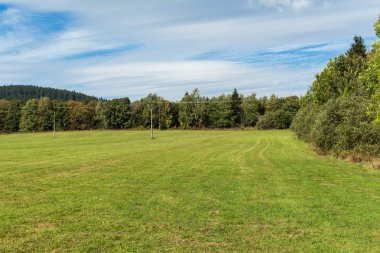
(26,92)
(341,76)
(358,48)
(236,107)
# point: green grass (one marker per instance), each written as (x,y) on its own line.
(185,191)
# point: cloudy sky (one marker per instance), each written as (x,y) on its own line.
(118,48)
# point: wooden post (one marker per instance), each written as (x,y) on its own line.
(159,117)
(54,125)
(151,123)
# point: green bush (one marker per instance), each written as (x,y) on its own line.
(304,121)
(266,121)
(340,125)
(323,132)
(280,119)
(357,132)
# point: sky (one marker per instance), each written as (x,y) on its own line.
(125,48)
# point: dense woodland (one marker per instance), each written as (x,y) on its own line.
(192,112)
(25,92)
(341,111)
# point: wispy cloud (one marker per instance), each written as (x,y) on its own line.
(296,57)
(130,48)
(280,5)
(104,52)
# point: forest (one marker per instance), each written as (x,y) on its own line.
(25,92)
(192,112)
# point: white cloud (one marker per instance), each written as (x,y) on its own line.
(280,5)
(168,78)
(299,5)
(172,32)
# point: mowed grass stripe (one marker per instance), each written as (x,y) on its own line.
(185,191)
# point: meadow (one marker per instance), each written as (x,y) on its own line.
(185,191)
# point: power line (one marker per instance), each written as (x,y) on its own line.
(152,104)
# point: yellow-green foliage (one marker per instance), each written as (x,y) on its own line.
(372,79)
(377,27)
(374,65)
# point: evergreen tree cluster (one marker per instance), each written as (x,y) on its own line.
(192,112)
(25,92)
(341,111)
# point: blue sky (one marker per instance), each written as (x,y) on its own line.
(119,48)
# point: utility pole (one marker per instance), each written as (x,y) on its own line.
(159,117)
(54,125)
(151,123)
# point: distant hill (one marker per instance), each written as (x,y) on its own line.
(26,92)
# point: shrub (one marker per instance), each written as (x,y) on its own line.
(357,132)
(323,133)
(304,121)
(341,125)
(266,121)
(280,119)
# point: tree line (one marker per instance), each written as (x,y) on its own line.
(193,111)
(341,111)
(26,92)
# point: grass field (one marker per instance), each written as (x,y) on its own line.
(185,191)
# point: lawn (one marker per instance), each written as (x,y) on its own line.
(185,191)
